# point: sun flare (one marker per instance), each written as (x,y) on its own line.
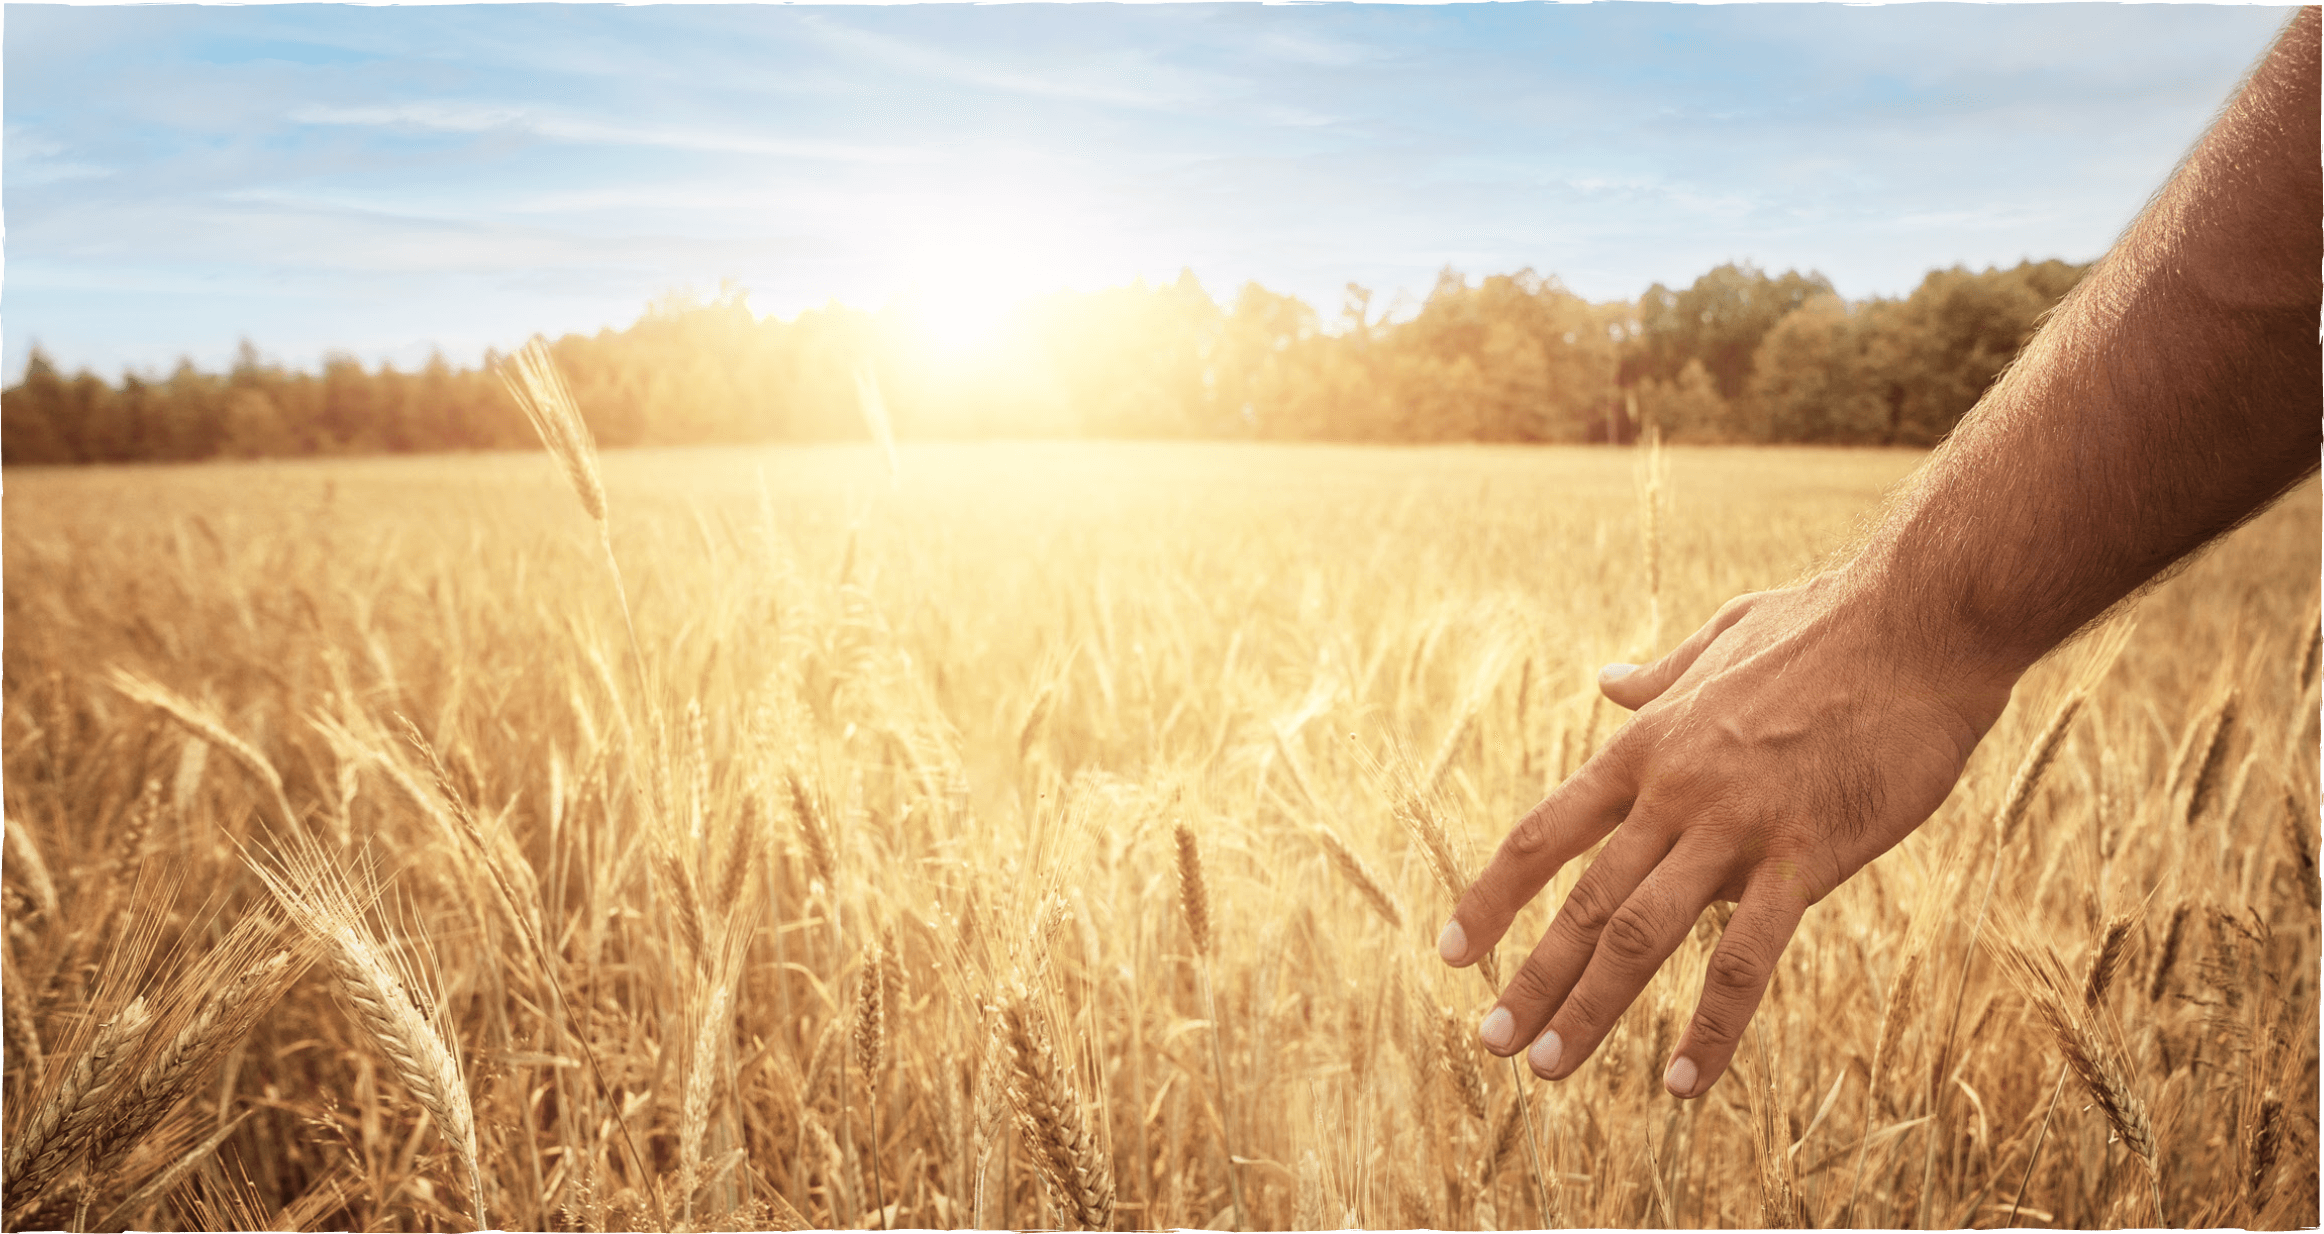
(970,271)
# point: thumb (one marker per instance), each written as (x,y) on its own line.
(1633,686)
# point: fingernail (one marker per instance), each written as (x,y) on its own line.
(1680,1079)
(1453,944)
(1545,1053)
(1615,672)
(1497,1029)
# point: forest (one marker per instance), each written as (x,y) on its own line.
(1738,356)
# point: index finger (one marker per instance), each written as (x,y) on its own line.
(1575,815)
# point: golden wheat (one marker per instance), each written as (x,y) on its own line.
(989,701)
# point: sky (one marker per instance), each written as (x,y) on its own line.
(384,181)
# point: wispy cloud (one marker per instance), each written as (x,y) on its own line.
(486,117)
(33,160)
(1117,77)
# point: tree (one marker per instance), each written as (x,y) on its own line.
(1687,408)
(31,412)
(1949,339)
(1719,320)
(1810,379)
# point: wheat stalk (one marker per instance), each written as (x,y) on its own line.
(1422,813)
(1656,471)
(2023,784)
(1903,1004)
(171,1175)
(23,1035)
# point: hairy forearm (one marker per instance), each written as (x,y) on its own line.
(2171,396)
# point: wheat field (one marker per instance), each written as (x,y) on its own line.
(1023,837)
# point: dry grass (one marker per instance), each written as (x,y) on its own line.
(1059,837)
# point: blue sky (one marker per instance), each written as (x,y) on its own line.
(383,180)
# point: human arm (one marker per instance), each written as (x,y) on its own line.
(1805,731)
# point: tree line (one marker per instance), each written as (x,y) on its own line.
(1738,356)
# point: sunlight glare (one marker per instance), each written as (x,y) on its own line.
(970,272)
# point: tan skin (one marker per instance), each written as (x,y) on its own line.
(1805,731)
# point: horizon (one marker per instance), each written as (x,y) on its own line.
(386,182)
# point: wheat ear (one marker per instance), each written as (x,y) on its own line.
(25,861)
(1361,876)
(2106,961)
(2302,843)
(1068,1158)
(814,835)
(215,1008)
(202,724)
(1460,1063)
(2173,935)
(2034,767)
(65,1118)
(694,1108)
(869,1037)
(1194,901)
(2267,1140)
(2090,1051)
(2214,758)
(318,896)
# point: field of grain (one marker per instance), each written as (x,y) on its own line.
(360,874)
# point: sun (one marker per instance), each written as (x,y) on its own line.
(970,267)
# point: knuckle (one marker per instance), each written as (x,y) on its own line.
(1734,971)
(1585,1010)
(1587,908)
(1528,839)
(1629,937)
(1529,988)
(1623,756)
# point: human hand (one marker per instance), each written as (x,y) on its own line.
(1791,740)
